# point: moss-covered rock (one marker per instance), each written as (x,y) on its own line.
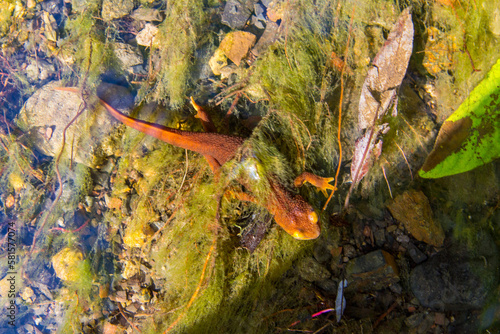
(66,264)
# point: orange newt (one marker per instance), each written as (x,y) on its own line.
(296,216)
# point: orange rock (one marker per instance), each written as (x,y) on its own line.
(236,45)
(275,11)
(412,208)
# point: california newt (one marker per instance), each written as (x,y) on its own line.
(296,216)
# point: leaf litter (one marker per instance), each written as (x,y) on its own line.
(379,93)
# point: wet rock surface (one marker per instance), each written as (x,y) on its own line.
(114,9)
(445,285)
(310,270)
(236,13)
(47,112)
(456,280)
(373,271)
(412,208)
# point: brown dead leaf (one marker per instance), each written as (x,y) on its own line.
(361,163)
(450,138)
(387,73)
(378,93)
(412,208)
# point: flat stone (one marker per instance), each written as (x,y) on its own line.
(310,270)
(236,13)
(349,251)
(379,236)
(236,45)
(452,282)
(328,285)
(66,264)
(217,62)
(269,36)
(147,36)
(115,9)
(39,70)
(128,55)
(416,254)
(275,10)
(370,272)
(412,208)
(47,112)
(322,253)
(147,14)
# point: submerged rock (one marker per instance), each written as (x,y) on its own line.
(48,111)
(217,62)
(310,270)
(448,284)
(236,45)
(373,271)
(66,264)
(237,13)
(115,9)
(147,36)
(412,208)
(129,56)
(457,279)
(147,14)
(40,70)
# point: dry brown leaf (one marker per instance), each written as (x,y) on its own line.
(450,138)
(387,73)
(379,93)
(360,166)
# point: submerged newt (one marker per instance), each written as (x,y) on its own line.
(295,215)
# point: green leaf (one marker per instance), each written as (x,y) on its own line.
(470,137)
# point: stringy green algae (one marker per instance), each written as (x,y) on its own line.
(236,291)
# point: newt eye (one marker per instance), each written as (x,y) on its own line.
(313,217)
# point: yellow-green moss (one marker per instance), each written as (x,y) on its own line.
(179,34)
(6,9)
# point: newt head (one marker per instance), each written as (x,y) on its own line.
(296,216)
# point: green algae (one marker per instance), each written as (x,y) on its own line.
(241,291)
(180,33)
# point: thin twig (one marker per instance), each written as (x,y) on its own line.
(70,231)
(386,181)
(407,163)
(126,318)
(82,108)
(386,313)
(185,173)
(340,110)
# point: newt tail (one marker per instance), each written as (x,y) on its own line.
(220,147)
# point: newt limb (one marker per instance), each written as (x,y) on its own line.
(205,118)
(322,183)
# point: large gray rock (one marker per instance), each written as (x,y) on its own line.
(236,13)
(48,111)
(456,280)
(310,270)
